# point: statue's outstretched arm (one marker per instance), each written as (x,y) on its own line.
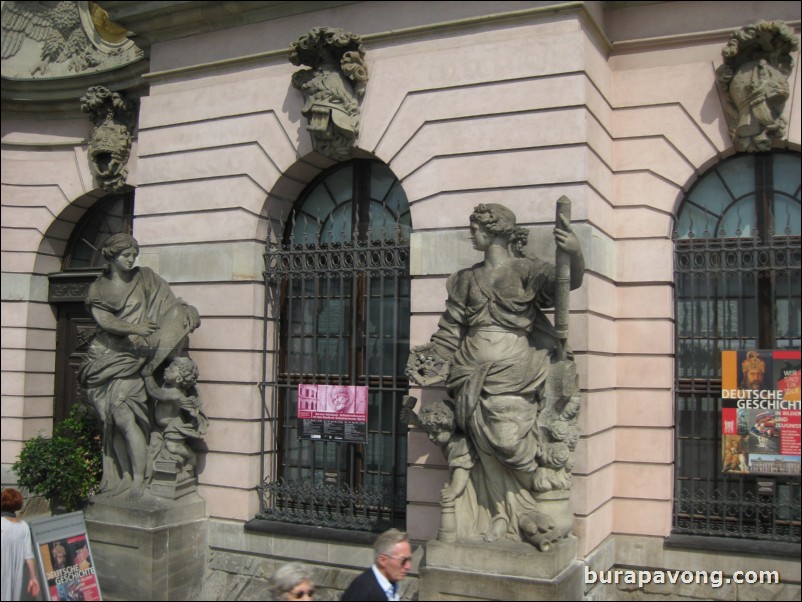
(114,325)
(160,393)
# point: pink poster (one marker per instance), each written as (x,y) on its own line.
(333,413)
(332,402)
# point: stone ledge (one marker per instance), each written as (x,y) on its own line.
(501,558)
(146,513)
(450,584)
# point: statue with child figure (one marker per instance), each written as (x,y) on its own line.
(509,429)
(139,380)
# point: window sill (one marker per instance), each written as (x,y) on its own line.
(261,525)
(751,547)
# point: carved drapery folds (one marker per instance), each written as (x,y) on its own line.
(332,87)
(509,430)
(138,376)
(754,80)
(110,140)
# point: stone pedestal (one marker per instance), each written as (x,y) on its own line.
(171,480)
(151,549)
(505,570)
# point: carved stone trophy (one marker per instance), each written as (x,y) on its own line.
(110,141)
(754,83)
(509,426)
(332,87)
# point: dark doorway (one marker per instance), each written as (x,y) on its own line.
(82,263)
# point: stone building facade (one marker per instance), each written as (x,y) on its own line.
(615,105)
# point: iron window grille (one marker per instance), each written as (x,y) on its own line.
(737,277)
(337,290)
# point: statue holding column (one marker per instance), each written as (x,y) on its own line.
(509,428)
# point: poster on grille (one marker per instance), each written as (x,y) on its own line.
(760,412)
(62,549)
(333,413)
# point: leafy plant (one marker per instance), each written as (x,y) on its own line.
(65,469)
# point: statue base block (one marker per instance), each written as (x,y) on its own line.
(148,549)
(505,570)
(171,481)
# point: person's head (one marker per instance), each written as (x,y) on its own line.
(393,554)
(121,251)
(81,554)
(182,372)
(753,369)
(292,581)
(753,379)
(117,243)
(437,419)
(340,398)
(11,499)
(59,555)
(492,220)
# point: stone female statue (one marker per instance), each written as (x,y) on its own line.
(499,347)
(139,323)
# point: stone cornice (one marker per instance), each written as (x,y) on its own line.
(61,96)
(161,21)
(393,34)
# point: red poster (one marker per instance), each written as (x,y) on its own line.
(760,415)
(65,557)
(69,571)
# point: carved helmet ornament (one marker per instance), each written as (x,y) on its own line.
(754,80)
(332,87)
(110,140)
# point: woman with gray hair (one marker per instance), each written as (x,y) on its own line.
(292,581)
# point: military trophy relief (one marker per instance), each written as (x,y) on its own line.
(332,85)
(113,119)
(753,80)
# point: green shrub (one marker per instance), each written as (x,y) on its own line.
(65,469)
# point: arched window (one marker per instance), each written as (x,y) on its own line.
(108,216)
(339,284)
(737,277)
